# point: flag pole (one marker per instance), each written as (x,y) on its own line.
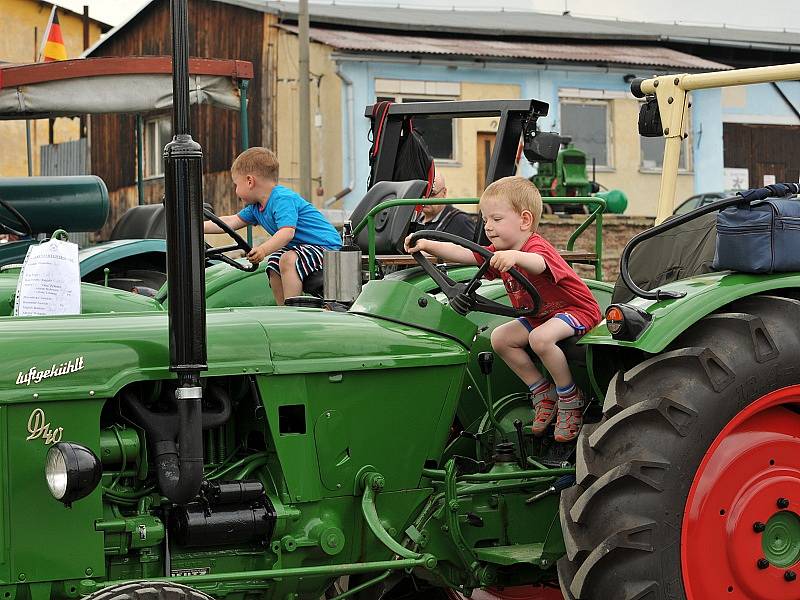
(46,34)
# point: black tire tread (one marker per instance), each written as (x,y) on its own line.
(148,590)
(621,521)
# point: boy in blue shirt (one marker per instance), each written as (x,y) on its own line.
(300,233)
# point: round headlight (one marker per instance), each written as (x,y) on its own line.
(55,470)
(72,472)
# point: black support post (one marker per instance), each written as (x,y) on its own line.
(180,466)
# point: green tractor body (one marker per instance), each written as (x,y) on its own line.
(566,176)
(377,451)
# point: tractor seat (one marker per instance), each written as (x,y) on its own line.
(141,222)
(576,355)
(313,284)
(147,221)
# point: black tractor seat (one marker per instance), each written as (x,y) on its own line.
(576,355)
(313,284)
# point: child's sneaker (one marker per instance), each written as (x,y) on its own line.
(544,408)
(570,417)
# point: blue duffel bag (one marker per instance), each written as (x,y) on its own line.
(762,233)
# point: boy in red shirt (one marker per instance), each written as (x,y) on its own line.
(512,208)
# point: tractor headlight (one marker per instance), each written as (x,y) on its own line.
(72,472)
(626,322)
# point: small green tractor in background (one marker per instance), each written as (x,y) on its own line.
(295,452)
(567,176)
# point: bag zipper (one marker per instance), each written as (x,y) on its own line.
(788,222)
(743,228)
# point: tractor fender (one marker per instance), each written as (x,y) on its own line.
(704,294)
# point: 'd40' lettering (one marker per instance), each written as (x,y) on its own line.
(38,428)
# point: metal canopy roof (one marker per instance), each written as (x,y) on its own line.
(113,85)
(605,54)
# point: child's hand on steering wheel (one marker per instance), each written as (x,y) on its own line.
(257,254)
(418,245)
(503,260)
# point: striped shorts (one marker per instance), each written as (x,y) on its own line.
(309,259)
(568,318)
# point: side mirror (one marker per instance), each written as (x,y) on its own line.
(542,146)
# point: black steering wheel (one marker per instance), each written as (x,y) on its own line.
(241,244)
(25,228)
(462,296)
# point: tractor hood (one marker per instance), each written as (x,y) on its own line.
(96,355)
(94,299)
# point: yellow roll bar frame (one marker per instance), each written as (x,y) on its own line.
(671,93)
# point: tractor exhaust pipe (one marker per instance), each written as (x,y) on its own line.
(180,470)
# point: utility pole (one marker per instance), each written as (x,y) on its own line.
(304,104)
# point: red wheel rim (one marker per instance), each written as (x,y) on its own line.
(741,484)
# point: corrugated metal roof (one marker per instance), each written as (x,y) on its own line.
(652,56)
(506,24)
(501,23)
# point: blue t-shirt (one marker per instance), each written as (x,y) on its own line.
(286,208)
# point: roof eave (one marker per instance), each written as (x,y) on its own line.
(510,62)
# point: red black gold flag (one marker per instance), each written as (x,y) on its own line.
(54,48)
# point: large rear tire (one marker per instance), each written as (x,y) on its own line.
(625,521)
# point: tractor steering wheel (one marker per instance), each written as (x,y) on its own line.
(25,228)
(462,296)
(241,244)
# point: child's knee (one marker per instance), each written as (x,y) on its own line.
(503,339)
(540,344)
(287,261)
(498,339)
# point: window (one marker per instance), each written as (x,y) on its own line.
(587,123)
(439,134)
(652,150)
(157,132)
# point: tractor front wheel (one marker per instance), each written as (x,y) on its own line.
(689,487)
(148,590)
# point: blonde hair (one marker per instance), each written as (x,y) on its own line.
(519,193)
(256,161)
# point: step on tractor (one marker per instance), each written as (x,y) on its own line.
(297,452)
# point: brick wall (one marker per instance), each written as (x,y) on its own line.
(617,230)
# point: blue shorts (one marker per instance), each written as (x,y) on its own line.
(566,317)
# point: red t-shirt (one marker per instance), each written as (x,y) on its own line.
(558,285)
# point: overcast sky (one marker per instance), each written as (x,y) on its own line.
(769,14)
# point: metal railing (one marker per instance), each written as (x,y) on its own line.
(597,206)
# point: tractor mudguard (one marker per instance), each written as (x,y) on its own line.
(704,294)
(101,255)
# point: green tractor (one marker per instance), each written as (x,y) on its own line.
(134,256)
(567,176)
(295,452)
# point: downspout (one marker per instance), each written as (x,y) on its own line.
(351,138)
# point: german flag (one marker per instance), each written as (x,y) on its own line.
(54,45)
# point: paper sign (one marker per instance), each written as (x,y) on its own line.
(737,178)
(50,281)
(769,179)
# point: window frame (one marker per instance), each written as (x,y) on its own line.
(400,97)
(609,106)
(148,124)
(686,150)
